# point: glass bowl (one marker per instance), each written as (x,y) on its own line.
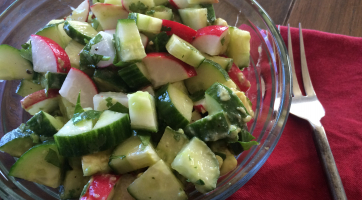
(268,73)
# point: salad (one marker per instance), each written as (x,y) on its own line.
(130,99)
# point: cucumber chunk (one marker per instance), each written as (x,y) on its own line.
(73,184)
(142,111)
(96,163)
(174,108)
(136,75)
(82,138)
(12,65)
(44,124)
(128,42)
(212,128)
(41,164)
(146,24)
(105,100)
(220,98)
(170,144)
(131,155)
(52,80)
(81,32)
(195,18)
(120,189)
(225,63)
(208,73)
(157,182)
(239,47)
(161,12)
(52,32)
(198,164)
(73,49)
(66,108)
(211,17)
(109,81)
(184,51)
(27,87)
(16,142)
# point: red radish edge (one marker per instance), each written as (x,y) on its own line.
(38,96)
(189,69)
(94,85)
(239,79)
(58,53)
(211,30)
(173,4)
(184,32)
(100,186)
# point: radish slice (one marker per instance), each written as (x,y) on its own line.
(163,68)
(105,48)
(184,32)
(144,39)
(48,55)
(212,40)
(81,12)
(200,106)
(77,81)
(179,4)
(41,100)
(100,187)
(239,78)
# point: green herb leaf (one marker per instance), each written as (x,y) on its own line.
(222,41)
(150,13)
(78,108)
(159,42)
(138,7)
(145,139)
(95,23)
(87,115)
(109,102)
(88,60)
(176,136)
(117,107)
(52,158)
(165,28)
(26,52)
(200,182)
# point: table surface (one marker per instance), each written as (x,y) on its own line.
(334,16)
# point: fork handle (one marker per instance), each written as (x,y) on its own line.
(329,165)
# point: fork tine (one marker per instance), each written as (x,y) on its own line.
(296,88)
(308,87)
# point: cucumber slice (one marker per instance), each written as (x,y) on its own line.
(114,2)
(211,17)
(52,80)
(161,12)
(174,108)
(135,75)
(181,86)
(63,35)
(105,100)
(221,22)
(198,164)
(158,182)
(73,184)
(20,67)
(66,108)
(96,163)
(225,63)
(120,189)
(212,128)
(16,142)
(129,46)
(131,155)
(160,2)
(27,87)
(239,47)
(208,73)
(73,49)
(220,98)
(44,124)
(146,24)
(81,139)
(51,31)
(142,111)
(81,32)
(170,144)
(184,51)
(195,18)
(202,1)
(109,81)
(41,164)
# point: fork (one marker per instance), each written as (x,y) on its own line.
(309,108)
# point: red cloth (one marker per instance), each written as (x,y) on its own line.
(293,171)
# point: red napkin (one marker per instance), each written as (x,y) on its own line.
(293,171)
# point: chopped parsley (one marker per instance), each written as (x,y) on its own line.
(138,7)
(109,102)
(222,41)
(200,182)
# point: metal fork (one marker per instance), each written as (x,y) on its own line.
(309,108)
